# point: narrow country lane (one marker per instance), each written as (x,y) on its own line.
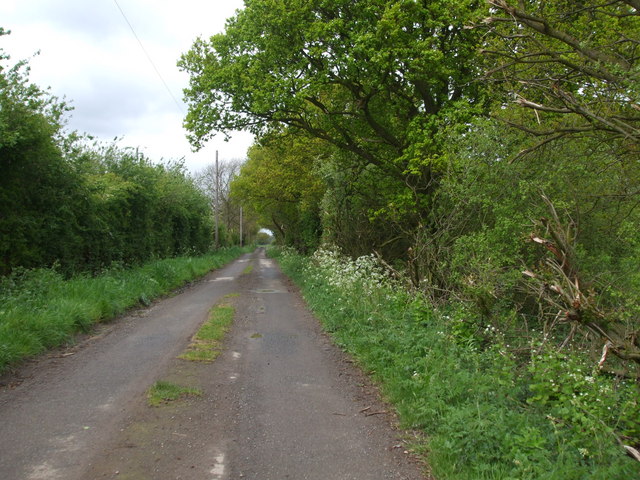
(281,402)
(54,420)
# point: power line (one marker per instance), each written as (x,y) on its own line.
(149,58)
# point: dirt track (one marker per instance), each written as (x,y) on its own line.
(280,403)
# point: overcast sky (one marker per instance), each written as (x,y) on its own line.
(89,55)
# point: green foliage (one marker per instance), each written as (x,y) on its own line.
(37,187)
(487,209)
(39,309)
(280,184)
(575,393)
(140,210)
(414,170)
(481,413)
(381,84)
(339,70)
(361,209)
(264,238)
(64,201)
(411,167)
(574,66)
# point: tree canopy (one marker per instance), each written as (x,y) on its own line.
(364,76)
(280,182)
(379,83)
(442,135)
(574,64)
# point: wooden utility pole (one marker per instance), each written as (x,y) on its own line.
(217,205)
(241,243)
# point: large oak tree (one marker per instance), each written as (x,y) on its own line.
(377,79)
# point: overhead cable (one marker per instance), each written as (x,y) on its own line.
(149,58)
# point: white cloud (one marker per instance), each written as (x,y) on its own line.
(90,56)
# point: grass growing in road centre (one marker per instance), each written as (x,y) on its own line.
(247,270)
(39,309)
(205,344)
(165,392)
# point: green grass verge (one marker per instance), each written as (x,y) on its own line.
(471,402)
(39,309)
(163,392)
(205,345)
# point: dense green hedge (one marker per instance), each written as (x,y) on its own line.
(94,207)
(83,206)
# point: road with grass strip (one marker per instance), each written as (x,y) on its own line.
(276,400)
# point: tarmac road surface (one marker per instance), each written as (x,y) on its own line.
(281,402)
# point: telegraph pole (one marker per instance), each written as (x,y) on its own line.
(217,205)
(241,242)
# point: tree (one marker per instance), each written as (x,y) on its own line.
(381,83)
(575,68)
(359,75)
(264,238)
(280,183)
(574,64)
(215,182)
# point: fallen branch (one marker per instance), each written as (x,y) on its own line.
(632,452)
(558,286)
(605,352)
(375,413)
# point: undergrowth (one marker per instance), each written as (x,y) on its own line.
(485,414)
(39,309)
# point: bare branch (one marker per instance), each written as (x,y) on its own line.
(561,288)
(542,26)
(536,106)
